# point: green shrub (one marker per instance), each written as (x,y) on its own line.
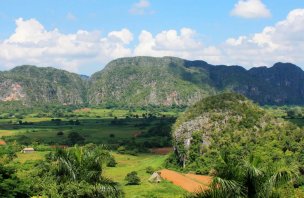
(299,182)
(121,149)
(60,133)
(132,178)
(150,170)
(111,162)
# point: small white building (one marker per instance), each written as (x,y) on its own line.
(28,150)
(155,178)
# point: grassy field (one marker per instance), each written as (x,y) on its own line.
(126,164)
(24,157)
(99,126)
(6,133)
(95,125)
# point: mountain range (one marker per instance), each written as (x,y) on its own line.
(141,81)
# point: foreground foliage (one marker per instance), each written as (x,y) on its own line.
(75,172)
(249,179)
(10,185)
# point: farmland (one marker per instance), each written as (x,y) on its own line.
(99,126)
(127,134)
(138,140)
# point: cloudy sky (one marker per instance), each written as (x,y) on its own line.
(84,35)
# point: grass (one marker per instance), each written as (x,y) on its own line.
(95,126)
(6,133)
(95,131)
(128,163)
(24,157)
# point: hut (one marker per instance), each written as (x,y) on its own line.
(28,150)
(155,178)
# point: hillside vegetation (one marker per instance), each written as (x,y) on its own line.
(33,85)
(228,130)
(149,81)
(146,80)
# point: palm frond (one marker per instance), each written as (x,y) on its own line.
(221,188)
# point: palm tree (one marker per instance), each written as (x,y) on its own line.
(84,164)
(246,180)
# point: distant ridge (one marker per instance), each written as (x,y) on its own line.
(142,81)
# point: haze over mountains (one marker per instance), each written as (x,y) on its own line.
(140,81)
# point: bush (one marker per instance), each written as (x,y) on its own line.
(111,162)
(60,133)
(121,149)
(75,138)
(150,170)
(132,178)
(11,185)
(299,182)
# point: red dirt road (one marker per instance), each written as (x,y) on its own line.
(189,182)
(206,180)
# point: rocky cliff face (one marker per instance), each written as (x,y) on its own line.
(32,85)
(11,91)
(221,120)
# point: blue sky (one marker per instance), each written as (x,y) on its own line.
(83,35)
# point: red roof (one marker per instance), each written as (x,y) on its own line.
(2,142)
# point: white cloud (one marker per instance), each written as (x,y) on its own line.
(33,44)
(282,42)
(182,44)
(141,8)
(124,35)
(250,9)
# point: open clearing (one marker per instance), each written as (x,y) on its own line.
(189,182)
(5,133)
(128,163)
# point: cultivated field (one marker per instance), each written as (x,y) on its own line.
(99,126)
(189,182)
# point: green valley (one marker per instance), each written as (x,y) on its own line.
(104,136)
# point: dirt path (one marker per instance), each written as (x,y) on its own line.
(189,182)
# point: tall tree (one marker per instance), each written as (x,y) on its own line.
(79,171)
